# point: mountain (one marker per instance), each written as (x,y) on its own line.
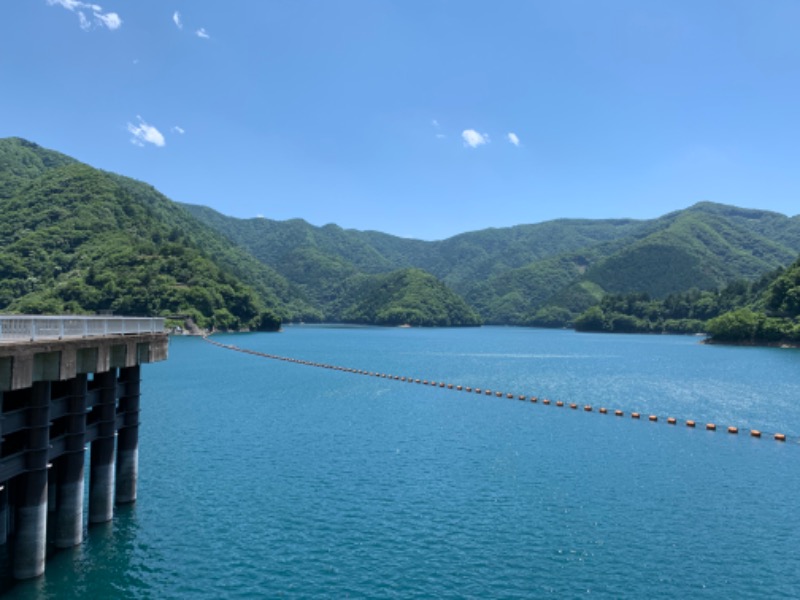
(77,239)
(764,311)
(545,273)
(407,296)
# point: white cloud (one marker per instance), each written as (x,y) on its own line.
(176,18)
(201,33)
(110,20)
(178,129)
(473,139)
(145,133)
(440,136)
(435,123)
(84,22)
(512,137)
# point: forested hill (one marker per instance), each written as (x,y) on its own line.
(542,274)
(765,311)
(77,239)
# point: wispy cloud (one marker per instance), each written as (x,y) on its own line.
(473,139)
(201,33)
(512,137)
(110,20)
(144,133)
(178,129)
(435,123)
(176,18)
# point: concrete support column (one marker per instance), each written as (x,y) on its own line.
(3,513)
(69,499)
(101,477)
(31,523)
(128,436)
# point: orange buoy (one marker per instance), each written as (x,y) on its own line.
(690,423)
(559,403)
(509,396)
(653,418)
(780,437)
(711,427)
(587,408)
(635,415)
(755,433)
(733,430)
(534,399)
(459,388)
(603,410)
(468,389)
(522,397)
(573,406)
(618,413)
(442,385)
(545,401)
(499,394)
(671,420)
(488,392)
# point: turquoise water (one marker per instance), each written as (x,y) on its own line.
(261,478)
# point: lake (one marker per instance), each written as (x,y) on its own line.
(262,478)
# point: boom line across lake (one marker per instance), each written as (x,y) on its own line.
(690,423)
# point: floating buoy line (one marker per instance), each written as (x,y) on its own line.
(732,430)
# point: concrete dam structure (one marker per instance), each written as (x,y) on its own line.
(68,385)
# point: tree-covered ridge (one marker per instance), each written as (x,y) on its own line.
(765,311)
(546,273)
(773,317)
(405,297)
(76,239)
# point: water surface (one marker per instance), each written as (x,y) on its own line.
(262,478)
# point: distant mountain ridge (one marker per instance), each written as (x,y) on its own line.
(75,238)
(519,275)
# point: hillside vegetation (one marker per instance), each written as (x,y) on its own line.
(405,297)
(765,311)
(77,239)
(544,274)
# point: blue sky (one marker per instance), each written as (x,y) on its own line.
(421,118)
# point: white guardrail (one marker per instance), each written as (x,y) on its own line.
(24,328)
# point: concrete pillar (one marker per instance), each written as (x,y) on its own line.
(52,500)
(68,530)
(101,477)
(3,513)
(31,522)
(128,436)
